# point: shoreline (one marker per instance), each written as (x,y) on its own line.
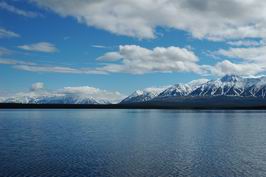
(129,106)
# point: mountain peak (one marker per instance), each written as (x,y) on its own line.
(143,95)
(230,78)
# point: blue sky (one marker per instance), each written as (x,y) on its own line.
(129,46)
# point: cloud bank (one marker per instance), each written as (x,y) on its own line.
(203,19)
(135,59)
(131,59)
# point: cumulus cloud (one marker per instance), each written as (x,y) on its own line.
(255,54)
(37,86)
(210,19)
(40,47)
(15,10)
(139,60)
(7,34)
(249,60)
(227,67)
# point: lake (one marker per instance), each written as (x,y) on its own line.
(132,143)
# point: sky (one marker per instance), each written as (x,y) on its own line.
(114,47)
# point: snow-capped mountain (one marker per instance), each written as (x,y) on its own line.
(230,89)
(142,95)
(176,90)
(55,99)
(229,85)
(149,94)
(2,99)
(232,85)
(182,89)
(67,99)
(37,94)
(227,88)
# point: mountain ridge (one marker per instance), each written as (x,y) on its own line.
(225,90)
(55,99)
(231,86)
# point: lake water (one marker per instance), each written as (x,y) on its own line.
(132,143)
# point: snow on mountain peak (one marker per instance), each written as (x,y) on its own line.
(67,95)
(231,78)
(229,85)
(182,89)
(175,90)
(143,95)
(198,82)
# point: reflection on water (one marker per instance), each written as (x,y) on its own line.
(132,143)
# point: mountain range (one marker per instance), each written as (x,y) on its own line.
(229,90)
(54,99)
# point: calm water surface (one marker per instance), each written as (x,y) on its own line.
(132,143)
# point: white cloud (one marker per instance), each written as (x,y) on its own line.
(7,34)
(251,61)
(37,86)
(139,60)
(57,69)
(247,43)
(34,67)
(99,46)
(40,47)
(7,61)
(93,92)
(210,19)
(128,59)
(15,10)
(243,69)
(41,68)
(255,54)
(110,56)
